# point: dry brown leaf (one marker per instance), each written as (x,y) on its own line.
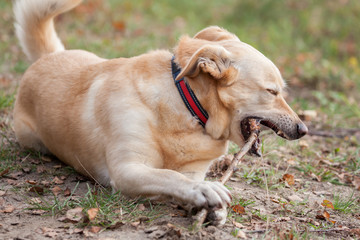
(241,234)
(26,170)
(4,172)
(92,212)
(238,209)
(2,193)
(57,180)
(40,169)
(37,212)
(238,225)
(57,166)
(141,207)
(326,214)
(35,200)
(303,144)
(135,224)
(75,215)
(8,209)
(36,189)
(49,232)
(95,229)
(32,182)
(356,183)
(56,190)
(67,192)
(327,204)
(119,25)
(289,179)
(45,159)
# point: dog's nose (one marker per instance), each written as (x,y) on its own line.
(301,129)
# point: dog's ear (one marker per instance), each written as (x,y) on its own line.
(211,59)
(215,33)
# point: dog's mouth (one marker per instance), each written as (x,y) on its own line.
(245,127)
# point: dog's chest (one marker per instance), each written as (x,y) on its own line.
(183,148)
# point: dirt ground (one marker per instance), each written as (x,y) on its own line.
(291,210)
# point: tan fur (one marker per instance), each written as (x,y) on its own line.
(123,122)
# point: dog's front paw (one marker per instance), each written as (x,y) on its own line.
(217,216)
(209,195)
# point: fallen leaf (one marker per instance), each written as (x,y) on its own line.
(45,183)
(238,225)
(57,166)
(119,25)
(38,212)
(135,224)
(116,225)
(56,190)
(356,183)
(2,193)
(26,170)
(75,215)
(40,169)
(32,182)
(355,231)
(326,215)
(35,201)
(16,175)
(8,209)
(289,179)
(141,207)
(238,209)
(57,180)
(327,204)
(67,192)
(241,234)
(49,232)
(63,177)
(92,212)
(4,172)
(36,189)
(303,144)
(45,159)
(95,229)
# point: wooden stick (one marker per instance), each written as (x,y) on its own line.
(201,215)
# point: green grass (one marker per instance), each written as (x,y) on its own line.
(346,204)
(6,100)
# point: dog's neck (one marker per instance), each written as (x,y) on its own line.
(188,96)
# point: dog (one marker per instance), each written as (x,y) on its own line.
(148,125)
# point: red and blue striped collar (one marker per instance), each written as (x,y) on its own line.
(188,96)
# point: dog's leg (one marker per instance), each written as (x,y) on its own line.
(216,215)
(136,179)
(27,137)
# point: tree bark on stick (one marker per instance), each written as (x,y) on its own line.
(201,215)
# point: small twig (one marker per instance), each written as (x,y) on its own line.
(201,215)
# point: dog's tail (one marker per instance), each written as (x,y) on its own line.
(34,25)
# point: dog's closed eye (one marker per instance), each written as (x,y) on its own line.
(273,92)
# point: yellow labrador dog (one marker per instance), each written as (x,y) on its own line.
(149,125)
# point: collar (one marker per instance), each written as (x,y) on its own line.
(188,96)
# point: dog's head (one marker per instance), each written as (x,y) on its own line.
(234,82)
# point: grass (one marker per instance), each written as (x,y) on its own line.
(346,204)
(112,207)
